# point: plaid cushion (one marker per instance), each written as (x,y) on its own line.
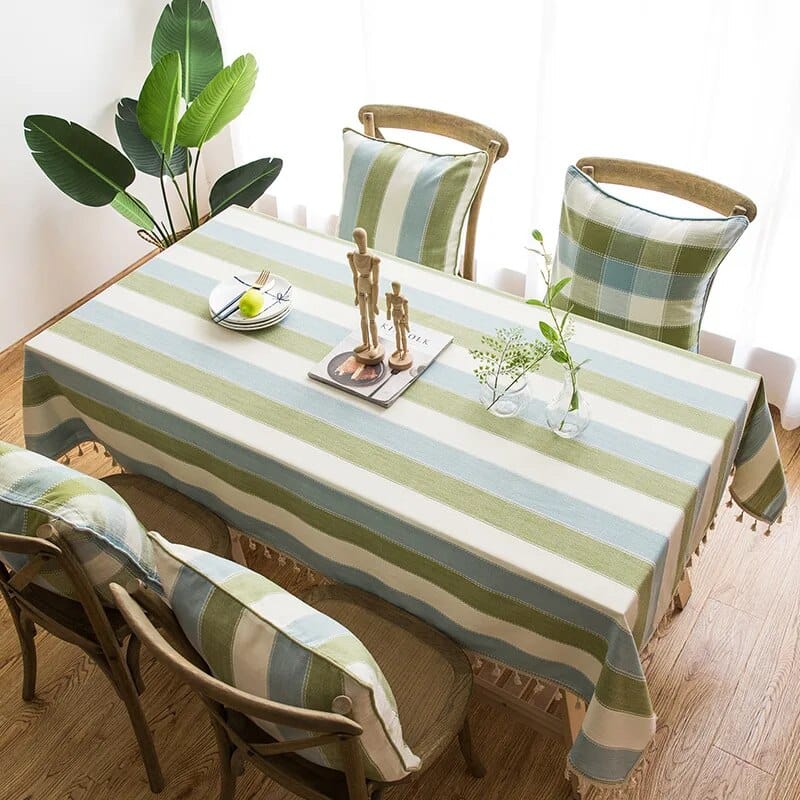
(99,525)
(636,269)
(411,203)
(259,638)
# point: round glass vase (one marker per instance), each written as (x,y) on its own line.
(568,413)
(505,397)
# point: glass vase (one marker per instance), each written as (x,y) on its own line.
(505,397)
(568,413)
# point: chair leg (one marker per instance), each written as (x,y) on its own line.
(227,773)
(133,660)
(474,763)
(126,689)
(26,631)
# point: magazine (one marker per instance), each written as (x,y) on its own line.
(378,383)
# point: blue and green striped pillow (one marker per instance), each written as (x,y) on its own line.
(98,524)
(636,269)
(261,639)
(411,203)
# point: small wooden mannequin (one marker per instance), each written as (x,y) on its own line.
(366,273)
(397,312)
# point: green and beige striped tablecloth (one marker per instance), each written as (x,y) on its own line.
(557,558)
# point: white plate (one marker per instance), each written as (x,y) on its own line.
(278,297)
(268,323)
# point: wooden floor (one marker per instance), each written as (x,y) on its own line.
(725,680)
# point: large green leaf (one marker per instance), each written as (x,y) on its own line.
(82,165)
(219,103)
(133,210)
(244,185)
(146,155)
(186,27)
(160,103)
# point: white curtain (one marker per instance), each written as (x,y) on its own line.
(711,87)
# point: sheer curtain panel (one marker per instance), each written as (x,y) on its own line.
(712,88)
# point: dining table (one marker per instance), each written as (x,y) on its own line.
(557,557)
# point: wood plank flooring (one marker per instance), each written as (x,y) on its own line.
(725,678)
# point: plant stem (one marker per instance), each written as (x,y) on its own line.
(196,220)
(164,196)
(178,190)
(506,390)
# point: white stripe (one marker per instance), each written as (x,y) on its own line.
(676,363)
(622,417)
(500,547)
(530,464)
(345,553)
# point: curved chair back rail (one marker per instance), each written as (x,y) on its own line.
(641,175)
(182,659)
(374,117)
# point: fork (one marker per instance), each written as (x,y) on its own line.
(229,309)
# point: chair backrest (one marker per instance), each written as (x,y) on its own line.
(376,117)
(177,654)
(54,612)
(638,174)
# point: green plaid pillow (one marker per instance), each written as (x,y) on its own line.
(412,204)
(635,269)
(98,524)
(256,636)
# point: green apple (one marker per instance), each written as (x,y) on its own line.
(251,303)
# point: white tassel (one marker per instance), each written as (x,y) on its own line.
(252,545)
(497,671)
(478,664)
(517,679)
(281,560)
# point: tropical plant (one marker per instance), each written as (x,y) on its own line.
(186,100)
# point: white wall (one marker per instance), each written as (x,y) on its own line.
(73,60)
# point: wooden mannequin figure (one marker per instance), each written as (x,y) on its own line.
(366,272)
(397,312)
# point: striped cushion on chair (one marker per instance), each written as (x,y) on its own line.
(411,203)
(97,523)
(636,269)
(259,638)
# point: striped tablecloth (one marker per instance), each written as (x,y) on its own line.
(555,557)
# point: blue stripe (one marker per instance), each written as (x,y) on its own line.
(286,678)
(418,209)
(283,541)
(464,562)
(550,503)
(604,764)
(188,599)
(600,435)
(649,379)
(361,162)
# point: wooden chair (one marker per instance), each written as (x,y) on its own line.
(430,676)
(721,199)
(376,117)
(99,631)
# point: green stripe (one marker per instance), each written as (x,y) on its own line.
(375,185)
(577,453)
(40,389)
(452,185)
(596,383)
(222,614)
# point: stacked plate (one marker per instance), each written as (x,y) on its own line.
(278,302)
